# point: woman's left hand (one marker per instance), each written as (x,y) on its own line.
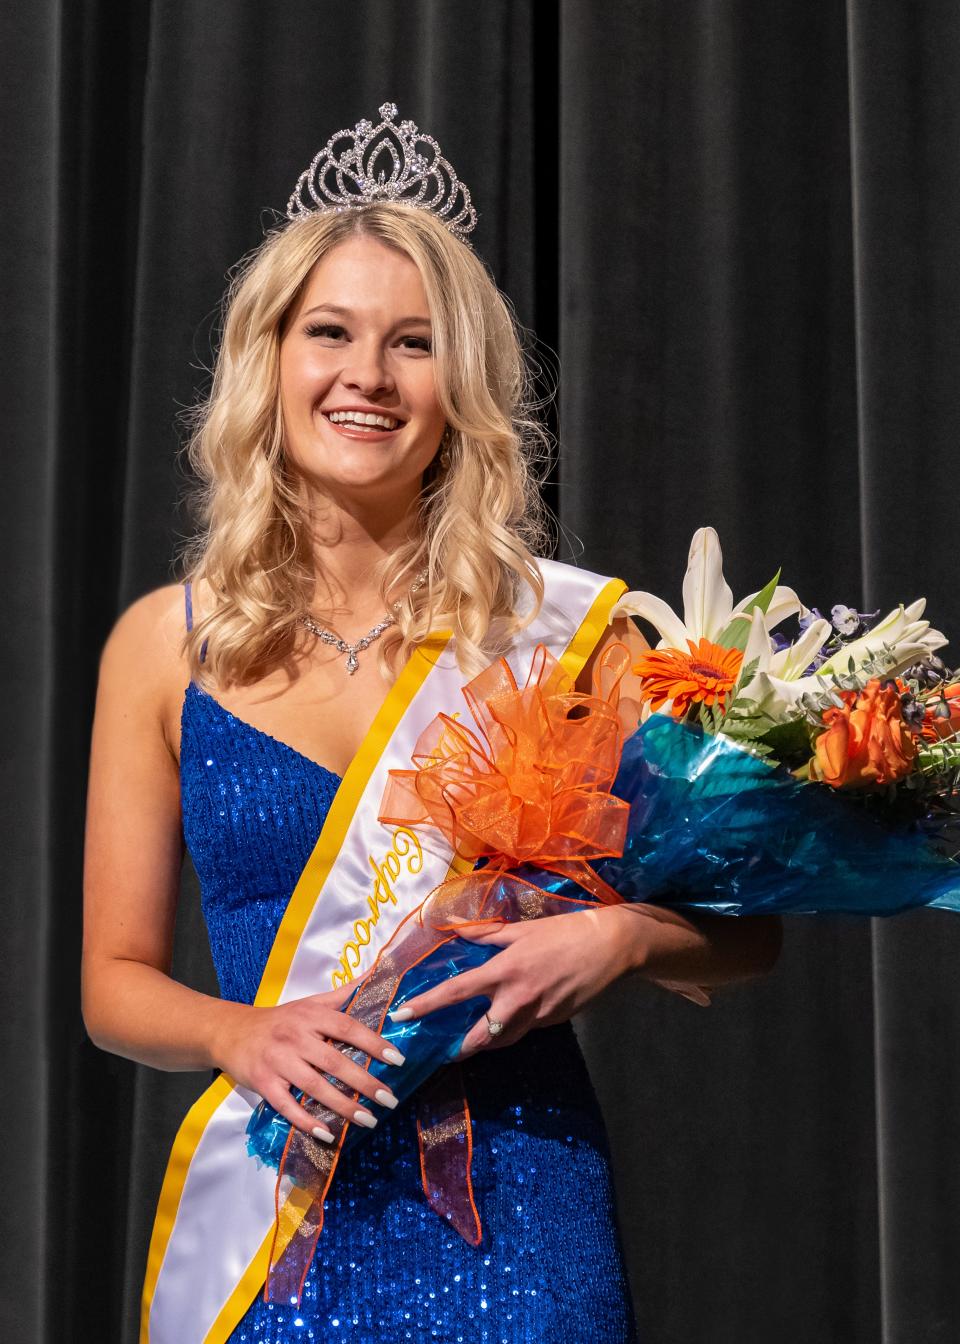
(547,971)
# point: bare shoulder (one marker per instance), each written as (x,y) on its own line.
(143,662)
(147,637)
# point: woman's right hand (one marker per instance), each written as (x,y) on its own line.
(297,1043)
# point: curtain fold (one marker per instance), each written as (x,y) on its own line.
(904,139)
(30,156)
(735,226)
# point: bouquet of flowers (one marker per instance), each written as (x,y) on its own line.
(767,775)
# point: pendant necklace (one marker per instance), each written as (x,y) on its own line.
(364,642)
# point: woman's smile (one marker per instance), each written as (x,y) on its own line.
(363,423)
(357,371)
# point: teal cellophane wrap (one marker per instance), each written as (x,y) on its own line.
(427,1044)
(712,828)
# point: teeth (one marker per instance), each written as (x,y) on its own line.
(361,418)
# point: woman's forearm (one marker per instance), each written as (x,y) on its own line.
(701,949)
(136,1011)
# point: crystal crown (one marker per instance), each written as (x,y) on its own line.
(387,162)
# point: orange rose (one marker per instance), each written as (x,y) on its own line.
(933,727)
(866,742)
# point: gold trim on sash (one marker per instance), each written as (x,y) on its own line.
(286,942)
(188,1136)
(340,815)
(411,678)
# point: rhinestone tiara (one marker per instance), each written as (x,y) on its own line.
(387,162)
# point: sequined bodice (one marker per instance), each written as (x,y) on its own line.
(387,1270)
(252,810)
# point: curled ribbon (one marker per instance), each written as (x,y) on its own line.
(531,786)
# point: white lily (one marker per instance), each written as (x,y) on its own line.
(708,606)
(901,636)
(905,636)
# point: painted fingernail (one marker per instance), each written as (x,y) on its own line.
(322,1134)
(384,1098)
(364,1118)
(401,1015)
(392,1056)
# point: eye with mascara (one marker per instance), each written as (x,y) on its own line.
(323,329)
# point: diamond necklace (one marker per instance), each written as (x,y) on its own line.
(364,642)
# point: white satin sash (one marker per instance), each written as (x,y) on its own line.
(214,1224)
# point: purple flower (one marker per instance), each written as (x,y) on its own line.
(928,673)
(845,620)
(805,621)
(913,710)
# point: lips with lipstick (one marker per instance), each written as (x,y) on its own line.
(356,422)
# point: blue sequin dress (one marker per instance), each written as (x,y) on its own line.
(387,1270)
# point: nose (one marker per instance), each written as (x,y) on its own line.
(366,369)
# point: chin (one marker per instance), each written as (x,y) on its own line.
(382,479)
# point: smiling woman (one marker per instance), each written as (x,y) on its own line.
(364,379)
(364,467)
(375,312)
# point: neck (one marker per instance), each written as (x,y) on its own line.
(350,544)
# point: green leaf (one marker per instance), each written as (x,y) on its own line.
(743,705)
(939,756)
(737,633)
(748,726)
(746,730)
(790,739)
(748,673)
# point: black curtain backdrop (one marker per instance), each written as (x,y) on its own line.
(737,224)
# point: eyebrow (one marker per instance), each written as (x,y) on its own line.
(347,312)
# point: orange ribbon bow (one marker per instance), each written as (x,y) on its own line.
(530,787)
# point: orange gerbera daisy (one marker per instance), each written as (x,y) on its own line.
(705,675)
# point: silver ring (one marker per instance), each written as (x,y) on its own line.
(493,1026)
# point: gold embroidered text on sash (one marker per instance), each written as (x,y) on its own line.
(405,855)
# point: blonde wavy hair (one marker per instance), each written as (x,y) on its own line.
(481,520)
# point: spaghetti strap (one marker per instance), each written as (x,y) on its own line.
(188,613)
